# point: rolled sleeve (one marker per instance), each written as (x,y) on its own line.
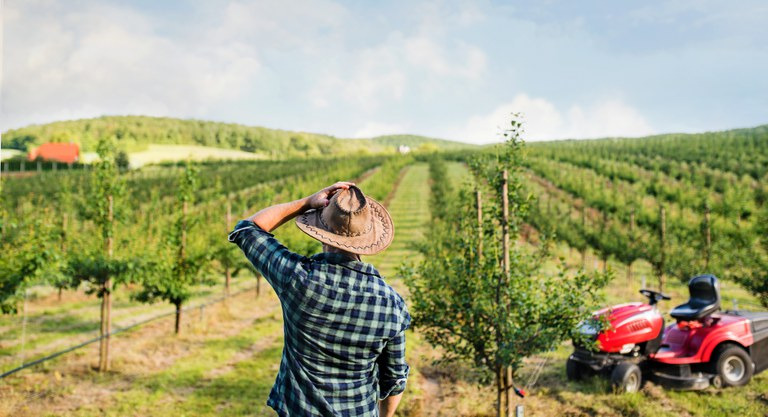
(273,260)
(393,370)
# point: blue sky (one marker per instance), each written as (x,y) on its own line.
(451,69)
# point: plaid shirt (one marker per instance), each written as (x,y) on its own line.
(344,329)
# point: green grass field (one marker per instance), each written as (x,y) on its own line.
(164,153)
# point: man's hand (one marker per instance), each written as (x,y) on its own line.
(321,198)
(272,217)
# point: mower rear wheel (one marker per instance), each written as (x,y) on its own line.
(574,370)
(626,377)
(733,366)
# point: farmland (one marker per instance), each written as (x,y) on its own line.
(598,199)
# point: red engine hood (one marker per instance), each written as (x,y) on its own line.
(631,323)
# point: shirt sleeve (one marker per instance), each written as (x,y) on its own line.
(393,370)
(273,260)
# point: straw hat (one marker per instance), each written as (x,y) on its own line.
(351,221)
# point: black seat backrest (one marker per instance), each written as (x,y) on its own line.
(704,299)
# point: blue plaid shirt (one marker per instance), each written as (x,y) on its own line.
(344,329)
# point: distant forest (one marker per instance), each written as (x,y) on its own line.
(135,133)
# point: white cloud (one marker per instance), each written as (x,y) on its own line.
(544,121)
(106,59)
(384,72)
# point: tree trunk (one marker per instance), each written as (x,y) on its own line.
(499,390)
(227,280)
(108,325)
(177,325)
(106,296)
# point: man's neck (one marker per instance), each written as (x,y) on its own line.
(350,255)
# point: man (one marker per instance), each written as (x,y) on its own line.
(344,327)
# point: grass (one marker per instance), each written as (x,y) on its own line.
(409,208)
(189,387)
(52,325)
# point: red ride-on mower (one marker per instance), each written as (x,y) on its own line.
(704,345)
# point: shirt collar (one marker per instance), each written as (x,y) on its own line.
(343,260)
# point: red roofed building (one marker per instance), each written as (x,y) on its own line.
(61,152)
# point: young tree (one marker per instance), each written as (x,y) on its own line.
(494,310)
(222,251)
(177,268)
(66,204)
(30,256)
(98,269)
(752,259)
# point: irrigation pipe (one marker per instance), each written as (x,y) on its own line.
(114,332)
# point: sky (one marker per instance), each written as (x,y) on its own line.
(447,69)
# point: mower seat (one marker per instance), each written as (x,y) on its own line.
(705,299)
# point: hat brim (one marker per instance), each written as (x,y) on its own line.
(380,236)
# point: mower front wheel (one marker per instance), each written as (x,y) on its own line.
(575,370)
(733,366)
(626,377)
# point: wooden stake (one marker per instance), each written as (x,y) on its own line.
(604,253)
(584,229)
(227,273)
(707,236)
(663,243)
(479,199)
(510,391)
(183,257)
(505,221)
(631,242)
(505,248)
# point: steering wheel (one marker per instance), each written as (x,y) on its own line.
(654,296)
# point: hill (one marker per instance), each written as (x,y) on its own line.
(739,151)
(415,141)
(136,133)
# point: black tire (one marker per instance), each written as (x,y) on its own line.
(732,365)
(626,377)
(574,370)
